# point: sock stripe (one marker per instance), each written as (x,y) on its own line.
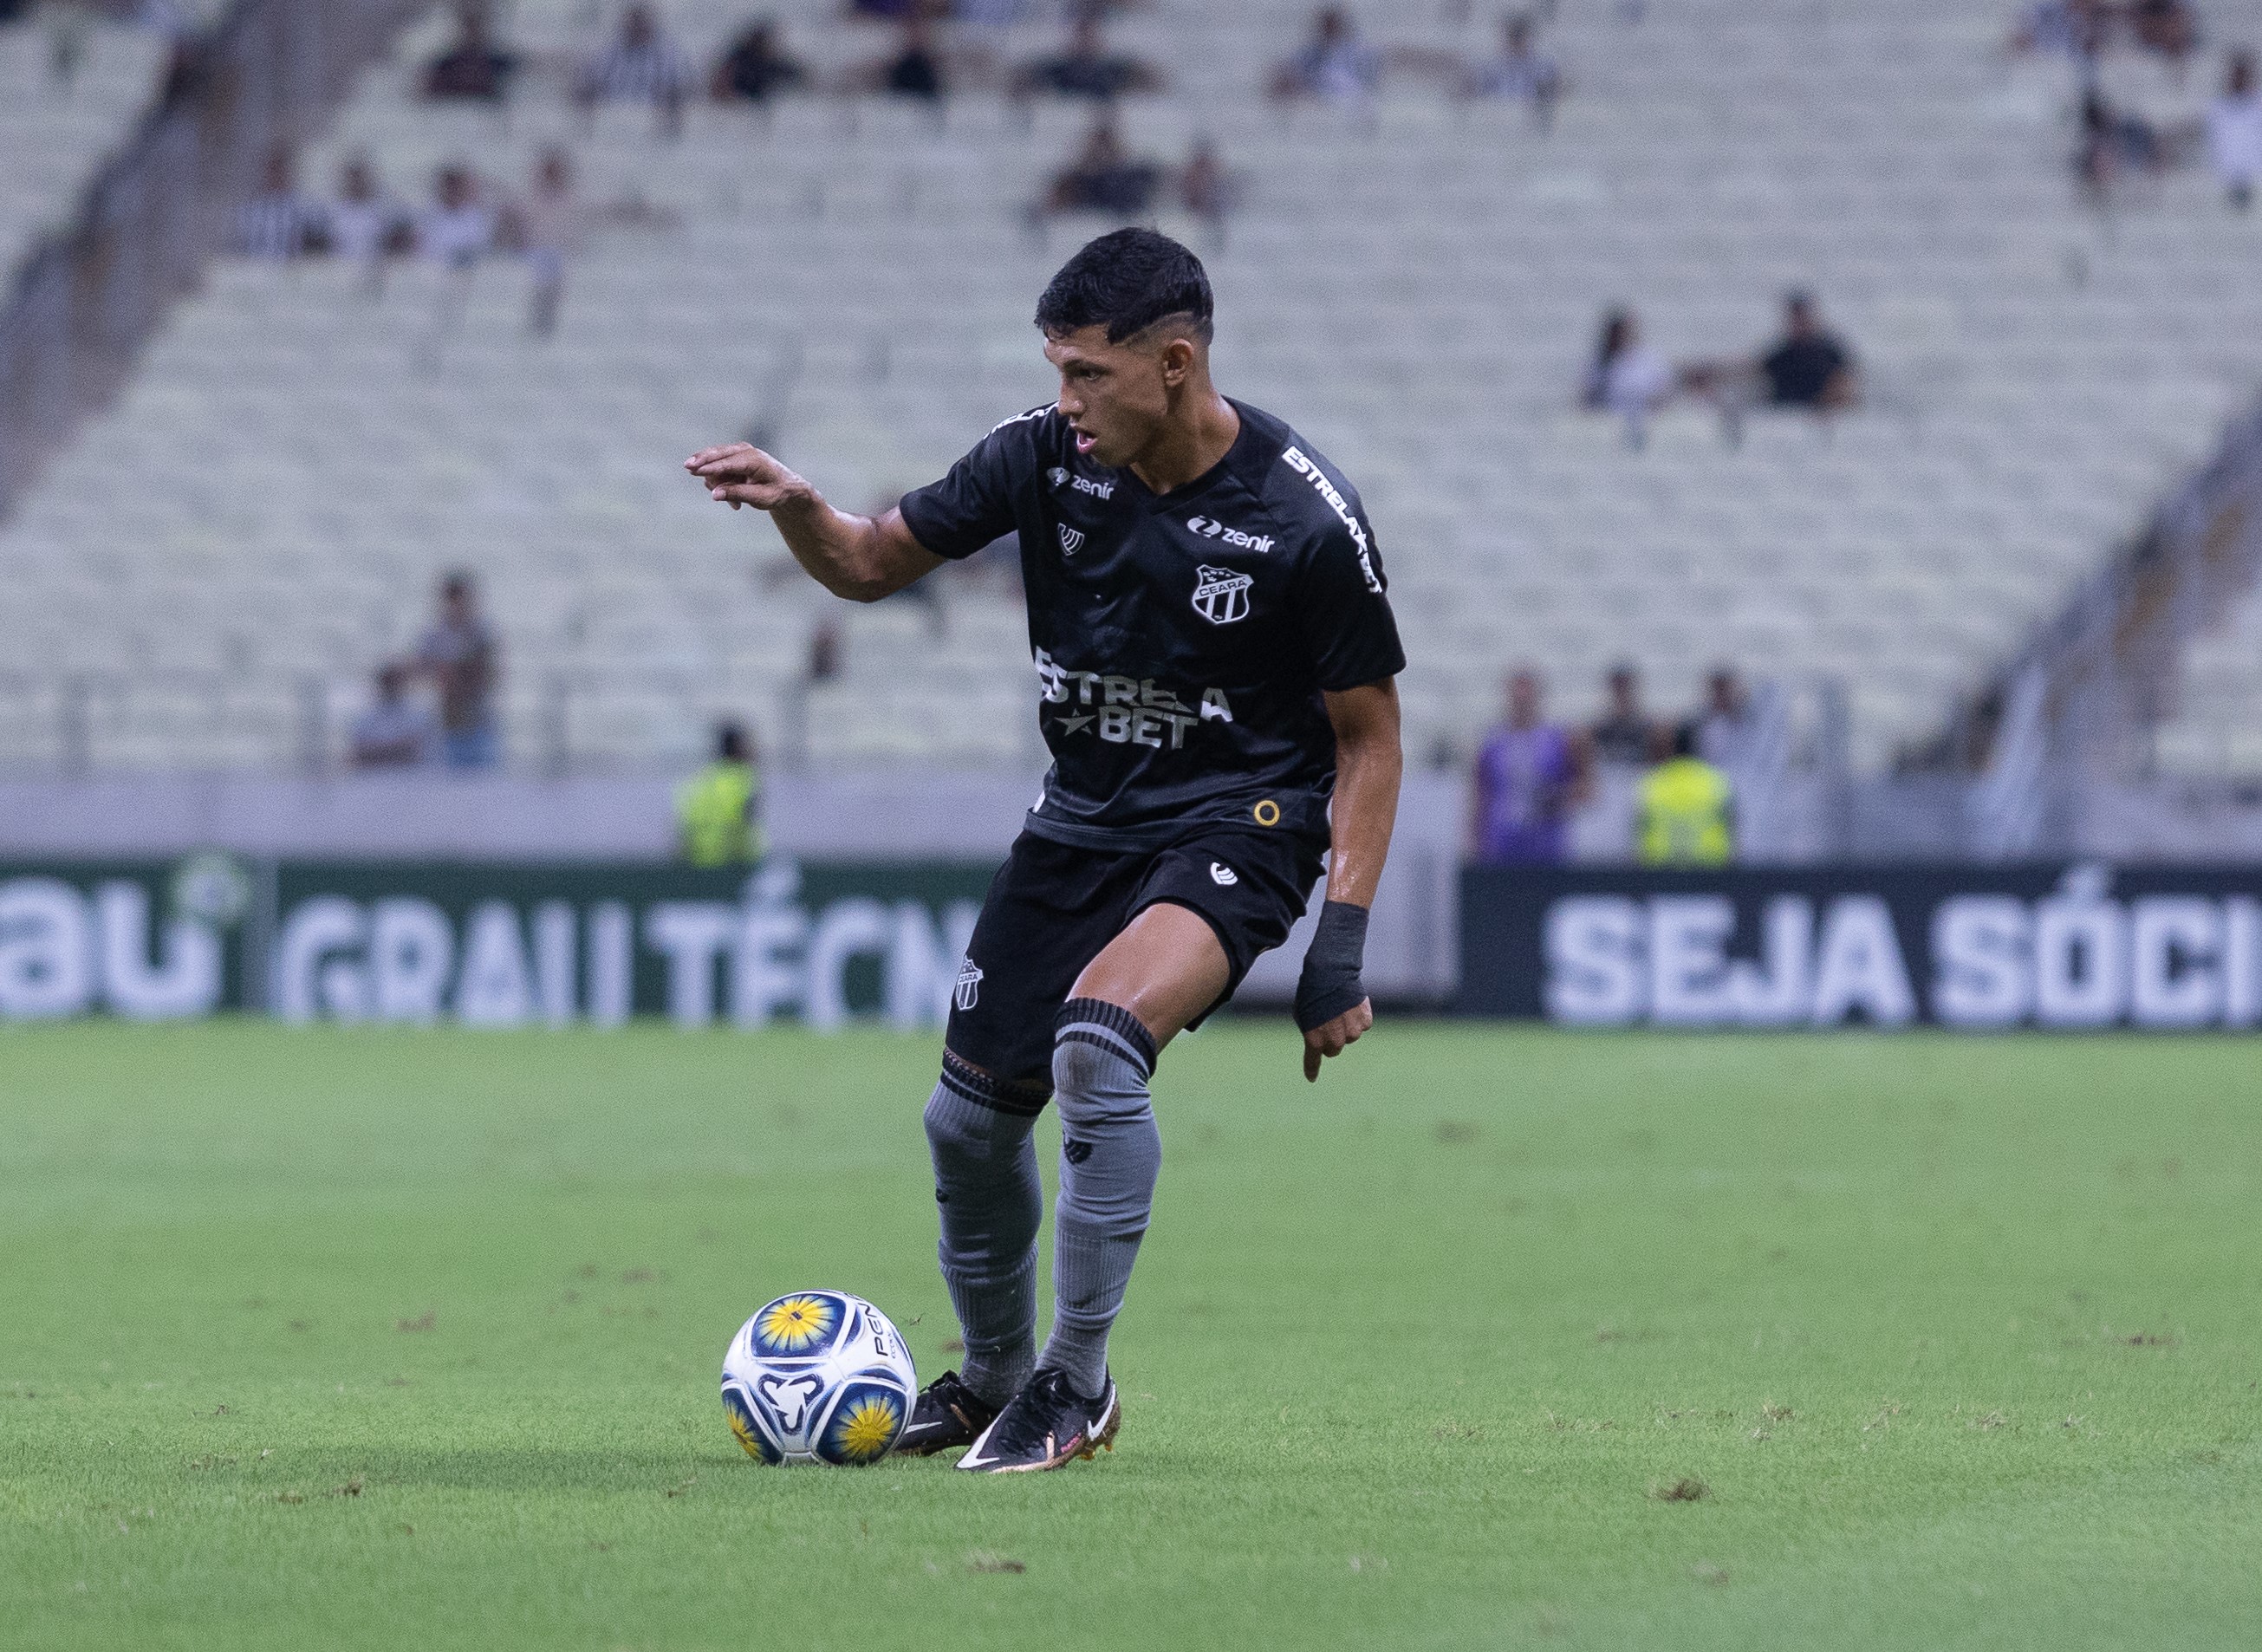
(1088,1020)
(1026,1100)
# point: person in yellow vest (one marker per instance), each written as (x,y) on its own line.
(1688,812)
(718,810)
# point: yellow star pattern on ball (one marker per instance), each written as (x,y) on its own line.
(792,1323)
(868,1430)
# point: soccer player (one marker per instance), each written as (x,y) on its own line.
(1216,655)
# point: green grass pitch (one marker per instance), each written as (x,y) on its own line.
(1496,1338)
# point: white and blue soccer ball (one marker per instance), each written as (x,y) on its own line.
(818,1376)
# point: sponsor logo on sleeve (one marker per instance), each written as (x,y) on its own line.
(1309,469)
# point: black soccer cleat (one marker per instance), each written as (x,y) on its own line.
(946,1414)
(1048,1425)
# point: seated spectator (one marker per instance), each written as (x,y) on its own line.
(2234,130)
(1335,66)
(364,224)
(1529,777)
(1207,188)
(641,66)
(1723,727)
(460,656)
(456,230)
(1104,177)
(1810,366)
(916,70)
(1520,73)
(2076,29)
(1626,376)
(1087,70)
(2115,145)
(1623,735)
(278,223)
(474,67)
(755,67)
(2168,28)
(550,223)
(393,732)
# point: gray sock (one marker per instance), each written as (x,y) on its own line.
(1111,1154)
(991,1202)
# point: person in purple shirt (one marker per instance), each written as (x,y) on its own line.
(1529,775)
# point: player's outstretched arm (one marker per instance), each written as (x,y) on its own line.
(1368,766)
(860,557)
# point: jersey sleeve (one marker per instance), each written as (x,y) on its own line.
(1342,609)
(973,504)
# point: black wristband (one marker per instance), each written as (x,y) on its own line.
(1330,985)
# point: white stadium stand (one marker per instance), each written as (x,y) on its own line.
(70,91)
(204,578)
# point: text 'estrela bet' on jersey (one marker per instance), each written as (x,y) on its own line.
(1183,640)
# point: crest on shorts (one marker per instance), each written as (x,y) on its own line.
(1071,540)
(968,993)
(1223,875)
(1221,596)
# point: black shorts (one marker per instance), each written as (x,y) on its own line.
(1052,908)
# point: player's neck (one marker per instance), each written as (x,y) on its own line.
(1189,445)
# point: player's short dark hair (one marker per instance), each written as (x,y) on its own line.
(1126,281)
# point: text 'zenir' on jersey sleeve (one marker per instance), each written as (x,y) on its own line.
(973,504)
(1340,609)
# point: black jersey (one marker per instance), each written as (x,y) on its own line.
(1181,640)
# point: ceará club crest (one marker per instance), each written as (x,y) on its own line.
(1221,595)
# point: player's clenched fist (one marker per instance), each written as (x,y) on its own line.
(740,473)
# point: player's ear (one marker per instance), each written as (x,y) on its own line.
(1177,362)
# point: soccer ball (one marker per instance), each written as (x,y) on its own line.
(818,1376)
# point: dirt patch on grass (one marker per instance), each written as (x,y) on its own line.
(982,1560)
(1688,1488)
(423,1321)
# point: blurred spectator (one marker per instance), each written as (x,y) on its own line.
(916,70)
(1104,177)
(364,223)
(1621,735)
(278,223)
(457,229)
(1086,69)
(827,650)
(474,67)
(718,810)
(551,225)
(1810,366)
(755,67)
(889,10)
(1207,188)
(460,657)
(1724,727)
(2115,145)
(2167,27)
(2234,130)
(1529,775)
(1335,65)
(641,66)
(393,732)
(1626,376)
(1686,813)
(2063,28)
(1521,73)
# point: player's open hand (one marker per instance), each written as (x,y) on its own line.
(1332,1038)
(739,473)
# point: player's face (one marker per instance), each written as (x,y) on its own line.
(1115,396)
